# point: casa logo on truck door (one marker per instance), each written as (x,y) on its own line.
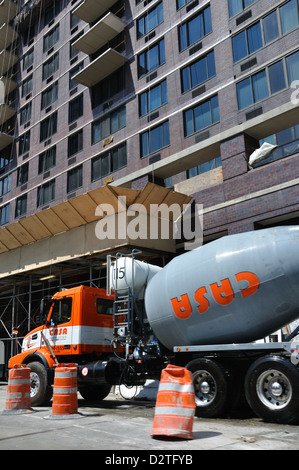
(222,292)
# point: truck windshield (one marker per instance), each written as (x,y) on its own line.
(62,311)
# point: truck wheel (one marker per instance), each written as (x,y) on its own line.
(272,389)
(211,387)
(96,393)
(40,390)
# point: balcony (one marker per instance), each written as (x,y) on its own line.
(7,36)
(7,60)
(6,112)
(101,33)
(100,68)
(91,10)
(8,10)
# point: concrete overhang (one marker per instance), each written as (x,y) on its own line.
(7,36)
(100,68)
(68,230)
(91,10)
(9,85)
(5,140)
(101,33)
(8,10)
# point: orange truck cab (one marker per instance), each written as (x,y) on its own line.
(78,328)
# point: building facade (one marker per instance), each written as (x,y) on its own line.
(179,93)
(156,91)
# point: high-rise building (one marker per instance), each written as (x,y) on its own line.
(179,93)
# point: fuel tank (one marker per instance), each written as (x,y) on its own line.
(239,288)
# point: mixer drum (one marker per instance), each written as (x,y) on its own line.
(239,288)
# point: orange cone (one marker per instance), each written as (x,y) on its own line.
(175,405)
(18,390)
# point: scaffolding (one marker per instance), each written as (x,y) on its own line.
(20,296)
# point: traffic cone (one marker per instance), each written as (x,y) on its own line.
(18,390)
(175,405)
(65,400)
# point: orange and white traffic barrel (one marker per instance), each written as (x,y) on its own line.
(18,390)
(65,400)
(175,405)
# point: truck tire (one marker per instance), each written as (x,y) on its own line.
(272,389)
(211,386)
(95,393)
(40,390)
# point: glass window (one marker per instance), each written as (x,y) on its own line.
(284,136)
(21,206)
(74,179)
(24,143)
(25,113)
(4,214)
(247,42)
(51,38)
(270,25)
(235,6)
(49,96)
(155,139)
(292,62)
(201,116)
(62,311)
(48,127)
(104,306)
(198,72)
(289,16)
(109,124)
(239,46)
(51,66)
(260,86)
(75,143)
(23,174)
(27,86)
(244,93)
(276,76)
(151,58)
(47,160)
(76,108)
(5,185)
(153,98)
(108,162)
(28,59)
(46,193)
(195,29)
(150,20)
(254,38)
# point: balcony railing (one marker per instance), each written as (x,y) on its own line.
(282,151)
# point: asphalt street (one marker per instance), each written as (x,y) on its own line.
(121,428)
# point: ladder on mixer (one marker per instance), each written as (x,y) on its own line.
(123,306)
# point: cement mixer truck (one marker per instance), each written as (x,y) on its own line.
(207,310)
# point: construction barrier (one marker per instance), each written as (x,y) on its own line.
(175,405)
(65,400)
(18,390)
